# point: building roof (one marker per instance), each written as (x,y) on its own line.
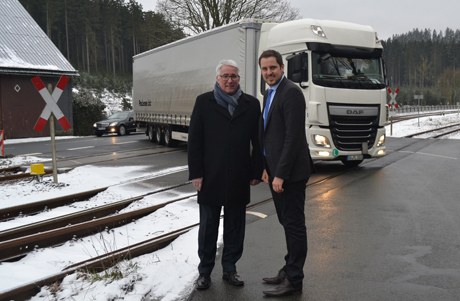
(24,47)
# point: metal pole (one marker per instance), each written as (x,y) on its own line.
(53,139)
(419,112)
(391,125)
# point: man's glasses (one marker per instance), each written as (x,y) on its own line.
(226,76)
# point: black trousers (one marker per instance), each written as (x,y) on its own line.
(290,208)
(234,228)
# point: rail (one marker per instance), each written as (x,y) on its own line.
(107,260)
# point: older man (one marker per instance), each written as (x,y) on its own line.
(224,124)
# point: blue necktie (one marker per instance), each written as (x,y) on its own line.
(267,106)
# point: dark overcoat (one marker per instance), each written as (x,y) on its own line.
(220,150)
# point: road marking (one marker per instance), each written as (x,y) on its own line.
(437,156)
(32,154)
(261,215)
(127,142)
(434,155)
(80,148)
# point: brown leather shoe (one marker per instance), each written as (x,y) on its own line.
(284,289)
(277,279)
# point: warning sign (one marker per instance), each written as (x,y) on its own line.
(51,103)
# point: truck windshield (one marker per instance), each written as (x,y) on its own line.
(333,70)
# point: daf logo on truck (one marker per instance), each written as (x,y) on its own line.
(355,112)
(340,63)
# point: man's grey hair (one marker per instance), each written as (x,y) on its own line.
(226,63)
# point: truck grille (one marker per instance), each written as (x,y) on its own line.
(353,128)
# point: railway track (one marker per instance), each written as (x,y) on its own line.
(105,261)
(66,164)
(438,132)
(16,243)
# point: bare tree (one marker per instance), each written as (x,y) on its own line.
(201,15)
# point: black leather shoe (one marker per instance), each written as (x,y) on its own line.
(203,282)
(277,279)
(284,289)
(233,278)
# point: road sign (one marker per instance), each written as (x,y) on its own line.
(393,98)
(51,103)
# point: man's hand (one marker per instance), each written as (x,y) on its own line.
(265,176)
(197,183)
(254,182)
(277,185)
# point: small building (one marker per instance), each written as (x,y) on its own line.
(26,52)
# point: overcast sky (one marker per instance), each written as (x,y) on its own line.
(386,17)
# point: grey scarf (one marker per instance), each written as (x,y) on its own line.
(227,101)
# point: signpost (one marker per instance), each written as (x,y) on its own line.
(51,109)
(418,97)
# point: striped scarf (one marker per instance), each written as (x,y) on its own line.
(227,101)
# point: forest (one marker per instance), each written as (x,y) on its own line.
(424,62)
(100,37)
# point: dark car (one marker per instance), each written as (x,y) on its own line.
(121,123)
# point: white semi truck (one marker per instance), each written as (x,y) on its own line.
(339,66)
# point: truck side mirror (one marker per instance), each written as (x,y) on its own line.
(384,64)
(298,67)
(297,77)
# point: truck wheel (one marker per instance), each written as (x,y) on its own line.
(121,130)
(151,134)
(159,135)
(351,163)
(169,142)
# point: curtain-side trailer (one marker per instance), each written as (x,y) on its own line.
(339,67)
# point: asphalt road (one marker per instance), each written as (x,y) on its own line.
(80,146)
(387,230)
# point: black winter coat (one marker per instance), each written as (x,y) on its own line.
(219,150)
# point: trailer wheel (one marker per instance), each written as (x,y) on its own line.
(151,133)
(169,142)
(159,135)
(351,163)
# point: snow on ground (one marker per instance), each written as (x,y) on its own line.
(167,274)
(417,125)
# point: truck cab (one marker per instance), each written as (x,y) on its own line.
(340,68)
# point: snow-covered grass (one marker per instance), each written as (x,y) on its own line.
(416,125)
(163,275)
(167,274)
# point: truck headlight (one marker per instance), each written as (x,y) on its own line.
(321,141)
(95,125)
(113,124)
(381,141)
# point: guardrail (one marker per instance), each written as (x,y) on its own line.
(409,109)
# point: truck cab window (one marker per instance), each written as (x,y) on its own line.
(336,71)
